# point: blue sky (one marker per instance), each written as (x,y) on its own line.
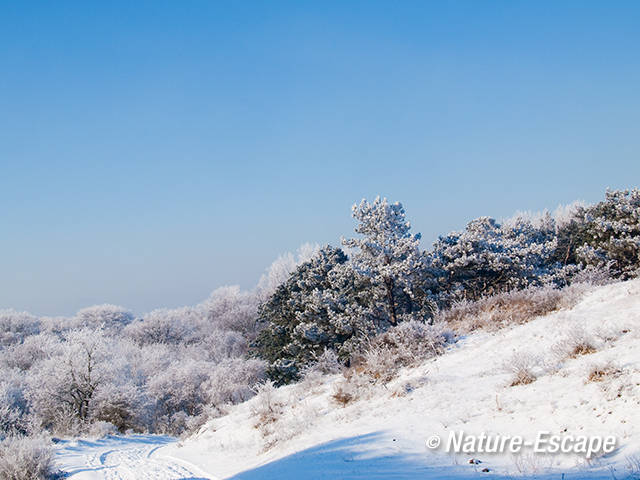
(153,151)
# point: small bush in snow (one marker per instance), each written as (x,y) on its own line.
(265,407)
(343,394)
(354,386)
(412,342)
(599,373)
(24,458)
(521,366)
(268,410)
(327,363)
(578,342)
(101,429)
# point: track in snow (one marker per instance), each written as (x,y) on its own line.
(133,457)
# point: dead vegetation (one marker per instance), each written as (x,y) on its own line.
(510,308)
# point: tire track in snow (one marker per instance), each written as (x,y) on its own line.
(134,457)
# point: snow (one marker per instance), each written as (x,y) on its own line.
(383,434)
(133,457)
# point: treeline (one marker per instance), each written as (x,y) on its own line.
(338,302)
(104,370)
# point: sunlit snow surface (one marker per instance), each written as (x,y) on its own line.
(133,457)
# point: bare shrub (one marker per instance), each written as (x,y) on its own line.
(412,342)
(407,344)
(327,363)
(599,373)
(521,365)
(266,408)
(25,458)
(379,363)
(511,308)
(354,386)
(578,342)
(343,395)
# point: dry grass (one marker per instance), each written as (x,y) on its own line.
(522,377)
(511,308)
(582,349)
(342,397)
(600,373)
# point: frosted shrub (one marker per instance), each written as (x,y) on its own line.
(610,231)
(24,458)
(488,258)
(224,344)
(577,342)
(355,385)
(16,326)
(109,318)
(121,405)
(268,410)
(412,342)
(265,406)
(327,363)
(32,349)
(234,380)
(163,326)
(229,308)
(13,405)
(101,429)
(378,363)
(180,388)
(521,365)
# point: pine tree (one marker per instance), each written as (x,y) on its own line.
(388,259)
(297,324)
(611,233)
(488,258)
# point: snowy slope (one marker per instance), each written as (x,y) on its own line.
(384,435)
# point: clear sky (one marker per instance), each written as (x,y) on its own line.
(153,151)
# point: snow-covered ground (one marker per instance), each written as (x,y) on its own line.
(383,434)
(133,457)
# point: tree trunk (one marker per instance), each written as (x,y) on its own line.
(392,301)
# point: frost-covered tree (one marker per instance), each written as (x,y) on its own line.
(282,267)
(16,326)
(388,259)
(487,258)
(230,308)
(610,233)
(330,303)
(63,386)
(296,319)
(173,326)
(110,318)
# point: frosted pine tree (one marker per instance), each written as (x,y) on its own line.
(488,258)
(611,232)
(390,263)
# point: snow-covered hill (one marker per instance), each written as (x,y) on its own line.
(585,363)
